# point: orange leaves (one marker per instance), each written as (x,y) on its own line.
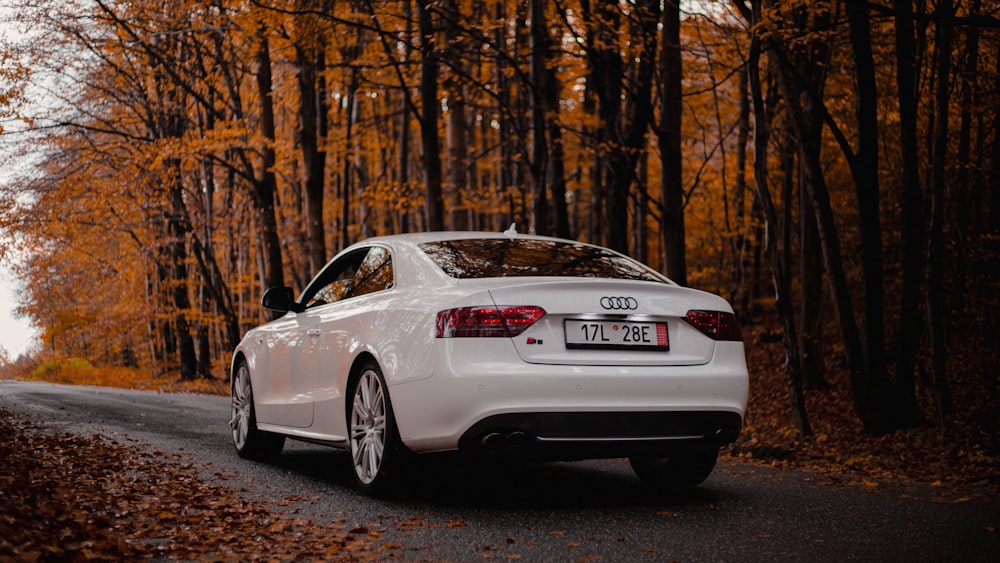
(13,75)
(958,460)
(74,498)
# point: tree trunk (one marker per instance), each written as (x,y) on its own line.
(964,224)
(812,63)
(178,228)
(596,213)
(671,177)
(203,350)
(312,110)
(811,298)
(539,46)
(347,177)
(505,159)
(911,206)
(882,405)
(640,206)
(782,290)
(937,300)
(607,73)
(404,165)
(994,196)
(265,184)
(740,237)
(819,200)
(639,107)
(430,137)
(457,126)
(556,159)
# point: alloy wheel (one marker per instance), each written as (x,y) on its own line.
(241,407)
(368,427)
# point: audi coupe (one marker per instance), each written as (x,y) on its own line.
(500,345)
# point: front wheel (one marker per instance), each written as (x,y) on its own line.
(250,442)
(678,472)
(375,445)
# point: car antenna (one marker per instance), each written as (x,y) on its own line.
(512,231)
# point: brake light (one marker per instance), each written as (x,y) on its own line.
(717,325)
(487,321)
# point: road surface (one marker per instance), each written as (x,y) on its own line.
(584,511)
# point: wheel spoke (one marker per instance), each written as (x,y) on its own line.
(373,461)
(358,450)
(243,427)
(368,392)
(360,408)
(241,404)
(377,446)
(368,424)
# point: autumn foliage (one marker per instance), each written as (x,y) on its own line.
(830,167)
(89,498)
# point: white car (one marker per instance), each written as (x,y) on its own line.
(497,344)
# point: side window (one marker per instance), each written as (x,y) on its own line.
(375,273)
(336,282)
(364,271)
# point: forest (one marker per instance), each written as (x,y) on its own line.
(831,167)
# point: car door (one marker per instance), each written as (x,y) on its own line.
(282,397)
(346,329)
(295,349)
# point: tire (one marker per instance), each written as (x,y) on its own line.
(250,442)
(375,447)
(679,472)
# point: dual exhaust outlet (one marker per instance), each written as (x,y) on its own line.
(506,444)
(518,442)
(515,443)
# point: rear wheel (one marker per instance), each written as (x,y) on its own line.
(250,442)
(375,445)
(680,471)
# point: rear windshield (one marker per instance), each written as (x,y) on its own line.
(499,258)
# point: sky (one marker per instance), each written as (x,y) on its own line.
(16,334)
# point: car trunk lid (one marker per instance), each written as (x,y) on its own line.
(611,322)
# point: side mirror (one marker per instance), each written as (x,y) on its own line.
(280,299)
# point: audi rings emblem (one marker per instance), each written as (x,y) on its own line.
(611,303)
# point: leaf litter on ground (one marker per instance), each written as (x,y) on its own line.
(79,498)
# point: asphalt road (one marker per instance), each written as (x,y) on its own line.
(584,511)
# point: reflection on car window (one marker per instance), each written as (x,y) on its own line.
(359,273)
(375,273)
(330,293)
(496,258)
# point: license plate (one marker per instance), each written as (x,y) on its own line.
(616,335)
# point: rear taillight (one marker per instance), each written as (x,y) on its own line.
(717,325)
(487,321)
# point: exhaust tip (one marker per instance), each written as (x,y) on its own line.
(517,443)
(492,443)
(725,436)
(506,444)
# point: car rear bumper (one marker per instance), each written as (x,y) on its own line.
(587,435)
(570,412)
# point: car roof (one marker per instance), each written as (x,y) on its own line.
(436,236)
